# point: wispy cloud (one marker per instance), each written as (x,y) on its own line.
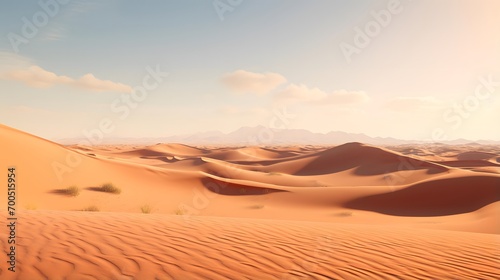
(242,81)
(59,26)
(301,93)
(37,77)
(54,34)
(412,104)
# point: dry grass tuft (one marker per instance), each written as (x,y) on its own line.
(91,208)
(109,188)
(146,209)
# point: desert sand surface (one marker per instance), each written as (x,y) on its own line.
(76,245)
(352,211)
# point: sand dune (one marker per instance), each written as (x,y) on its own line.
(439,197)
(135,246)
(400,212)
(365,159)
(475,156)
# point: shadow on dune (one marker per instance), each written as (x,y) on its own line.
(146,153)
(475,156)
(434,198)
(226,188)
(63,192)
(257,162)
(365,160)
(166,159)
(468,163)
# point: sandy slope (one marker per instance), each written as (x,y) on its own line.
(76,245)
(428,210)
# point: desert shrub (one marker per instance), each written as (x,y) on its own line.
(91,208)
(72,191)
(109,188)
(343,214)
(180,211)
(146,209)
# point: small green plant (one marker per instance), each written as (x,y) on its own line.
(146,209)
(109,188)
(72,191)
(91,208)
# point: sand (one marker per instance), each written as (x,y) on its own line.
(352,211)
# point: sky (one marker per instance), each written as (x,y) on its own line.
(409,69)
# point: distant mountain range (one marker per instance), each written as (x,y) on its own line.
(261,136)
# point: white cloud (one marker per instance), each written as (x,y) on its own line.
(248,82)
(37,77)
(301,93)
(89,81)
(406,104)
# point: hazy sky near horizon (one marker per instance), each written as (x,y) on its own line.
(405,69)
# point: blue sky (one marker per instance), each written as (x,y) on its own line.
(424,70)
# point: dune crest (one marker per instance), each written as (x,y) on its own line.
(170,210)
